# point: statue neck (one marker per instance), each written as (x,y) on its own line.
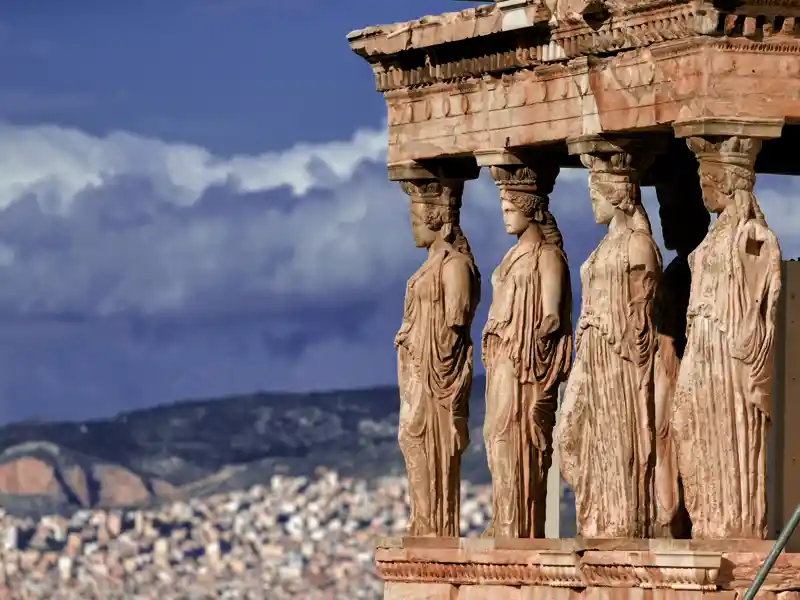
(531,236)
(618,221)
(438,245)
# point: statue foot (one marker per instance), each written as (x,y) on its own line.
(421,528)
(493,531)
(505,532)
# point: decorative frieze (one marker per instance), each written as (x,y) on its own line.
(644,564)
(490,52)
(539,46)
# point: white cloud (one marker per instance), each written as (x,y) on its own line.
(296,260)
(779,198)
(166,261)
(61,163)
(98,245)
(337,232)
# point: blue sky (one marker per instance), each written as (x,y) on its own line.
(193,202)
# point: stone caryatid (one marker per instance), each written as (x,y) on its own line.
(721,410)
(684,224)
(527,352)
(606,429)
(435,363)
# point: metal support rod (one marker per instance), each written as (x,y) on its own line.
(777,548)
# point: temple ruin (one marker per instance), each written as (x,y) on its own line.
(668,400)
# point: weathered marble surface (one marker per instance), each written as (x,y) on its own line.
(469,568)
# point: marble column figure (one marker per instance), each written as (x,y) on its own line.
(606,433)
(684,224)
(527,352)
(722,402)
(435,364)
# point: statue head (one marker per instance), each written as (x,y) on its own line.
(521,207)
(613,191)
(518,212)
(434,211)
(523,195)
(524,202)
(727,175)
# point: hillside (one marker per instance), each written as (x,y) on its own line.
(197,448)
(200,447)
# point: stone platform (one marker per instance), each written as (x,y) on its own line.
(567,569)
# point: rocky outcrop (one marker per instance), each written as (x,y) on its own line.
(45,477)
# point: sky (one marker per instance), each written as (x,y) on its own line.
(194,203)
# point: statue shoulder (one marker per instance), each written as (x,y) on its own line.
(761,230)
(457,260)
(552,257)
(754,235)
(642,248)
(552,251)
(457,265)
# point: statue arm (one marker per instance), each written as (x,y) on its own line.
(552,271)
(645,268)
(457,284)
(760,284)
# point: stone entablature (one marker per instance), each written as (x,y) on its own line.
(581,565)
(474,42)
(463,83)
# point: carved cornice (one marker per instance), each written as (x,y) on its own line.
(679,570)
(483,573)
(462,58)
(726,564)
(773,25)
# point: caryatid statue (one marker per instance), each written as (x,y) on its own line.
(722,411)
(527,352)
(606,433)
(684,224)
(434,358)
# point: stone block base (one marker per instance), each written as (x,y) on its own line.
(497,569)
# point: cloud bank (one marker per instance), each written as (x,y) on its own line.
(135,271)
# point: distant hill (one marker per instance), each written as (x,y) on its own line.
(236,441)
(198,447)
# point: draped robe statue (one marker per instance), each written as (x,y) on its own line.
(527,351)
(434,360)
(684,224)
(606,432)
(722,402)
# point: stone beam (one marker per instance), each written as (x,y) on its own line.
(652,143)
(430,31)
(729,126)
(497,156)
(649,90)
(461,168)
